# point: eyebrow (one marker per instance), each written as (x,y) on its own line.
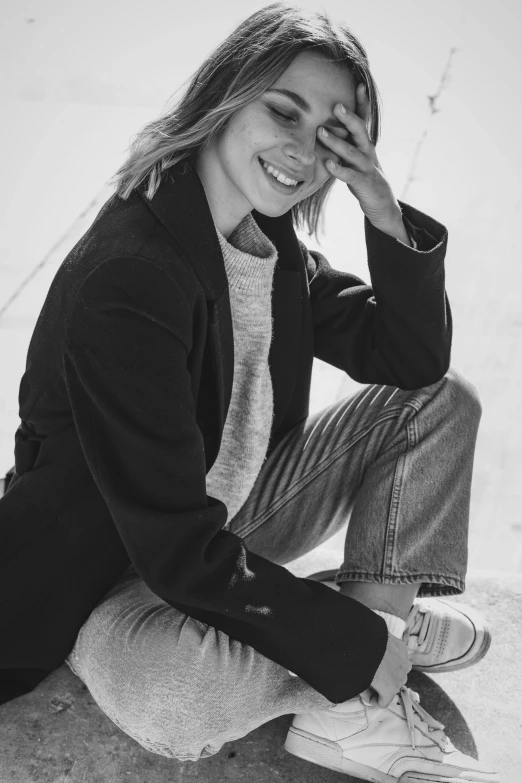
(305,106)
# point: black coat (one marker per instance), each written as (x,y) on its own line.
(122,406)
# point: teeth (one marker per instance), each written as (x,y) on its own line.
(280,177)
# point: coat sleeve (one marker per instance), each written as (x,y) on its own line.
(397,331)
(126,366)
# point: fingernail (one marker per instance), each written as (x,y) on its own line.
(342,109)
(324,132)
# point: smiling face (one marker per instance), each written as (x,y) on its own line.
(275,130)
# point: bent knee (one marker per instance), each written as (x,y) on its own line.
(463,396)
(156,680)
(172,723)
(163,715)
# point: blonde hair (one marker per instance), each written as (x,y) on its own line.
(237,72)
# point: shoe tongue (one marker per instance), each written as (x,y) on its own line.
(416,620)
(417,625)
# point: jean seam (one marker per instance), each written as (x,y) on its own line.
(390,538)
(314,472)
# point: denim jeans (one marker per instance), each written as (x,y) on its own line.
(396,465)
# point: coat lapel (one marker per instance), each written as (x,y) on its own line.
(181,205)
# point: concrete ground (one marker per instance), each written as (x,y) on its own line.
(78,81)
(58,734)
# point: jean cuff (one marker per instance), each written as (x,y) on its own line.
(431,584)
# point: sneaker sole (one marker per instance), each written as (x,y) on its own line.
(329,754)
(326,753)
(476,652)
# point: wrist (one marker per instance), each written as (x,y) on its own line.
(395,229)
(391,223)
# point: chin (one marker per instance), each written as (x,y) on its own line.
(271,210)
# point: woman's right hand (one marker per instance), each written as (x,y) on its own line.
(392,672)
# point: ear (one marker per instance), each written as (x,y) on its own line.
(362,103)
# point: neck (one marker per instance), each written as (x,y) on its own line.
(226,211)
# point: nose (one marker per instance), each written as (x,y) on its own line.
(303,152)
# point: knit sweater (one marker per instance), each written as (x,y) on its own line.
(250,260)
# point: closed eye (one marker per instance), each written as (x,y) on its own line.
(339,132)
(280,114)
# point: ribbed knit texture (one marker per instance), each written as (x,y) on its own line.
(250,260)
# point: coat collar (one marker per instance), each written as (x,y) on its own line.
(181,205)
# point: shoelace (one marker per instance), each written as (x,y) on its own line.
(417,625)
(410,702)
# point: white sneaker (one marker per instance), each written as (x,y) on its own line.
(383,744)
(442,636)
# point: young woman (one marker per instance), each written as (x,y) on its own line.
(166,464)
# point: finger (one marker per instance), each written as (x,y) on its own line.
(356,125)
(380,698)
(384,701)
(374,698)
(344,173)
(344,150)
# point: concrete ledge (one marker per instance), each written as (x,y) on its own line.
(57,733)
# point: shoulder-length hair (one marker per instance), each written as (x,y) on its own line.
(237,72)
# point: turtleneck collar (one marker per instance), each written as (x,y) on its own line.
(249,256)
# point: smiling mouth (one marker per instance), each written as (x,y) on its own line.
(288,188)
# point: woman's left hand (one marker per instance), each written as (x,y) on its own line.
(357,165)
